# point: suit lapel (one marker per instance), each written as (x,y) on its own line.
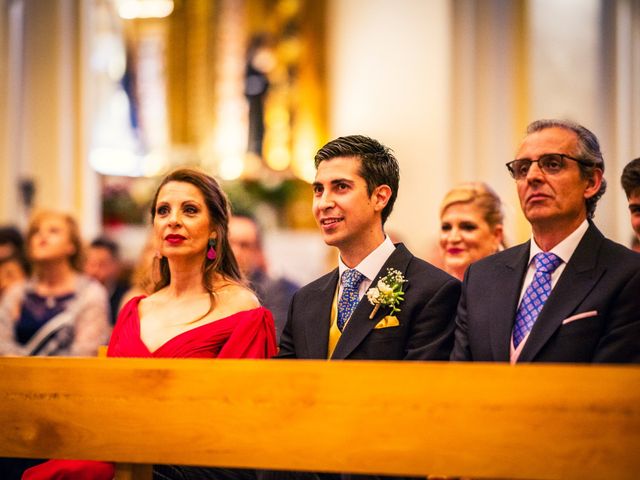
(360,324)
(317,322)
(577,280)
(505,292)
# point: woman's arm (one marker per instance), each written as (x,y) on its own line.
(9,313)
(92,326)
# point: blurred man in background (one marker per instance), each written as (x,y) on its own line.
(103,263)
(274,293)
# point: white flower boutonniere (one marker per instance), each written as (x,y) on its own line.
(388,292)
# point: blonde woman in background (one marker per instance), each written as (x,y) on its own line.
(471,220)
(58,311)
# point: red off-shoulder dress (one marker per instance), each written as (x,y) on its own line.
(247,334)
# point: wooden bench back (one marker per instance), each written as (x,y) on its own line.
(479,420)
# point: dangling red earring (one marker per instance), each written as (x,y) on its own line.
(211,253)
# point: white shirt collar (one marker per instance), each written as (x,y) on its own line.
(372,263)
(566,247)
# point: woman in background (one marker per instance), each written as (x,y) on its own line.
(471,221)
(59,311)
(200,307)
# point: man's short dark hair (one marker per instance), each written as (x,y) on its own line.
(107,244)
(588,150)
(631,177)
(378,165)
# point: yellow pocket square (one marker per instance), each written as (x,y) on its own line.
(388,321)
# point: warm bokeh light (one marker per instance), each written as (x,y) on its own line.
(304,149)
(115,161)
(130,9)
(154,163)
(278,158)
(231,168)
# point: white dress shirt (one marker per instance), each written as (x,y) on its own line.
(564,250)
(369,266)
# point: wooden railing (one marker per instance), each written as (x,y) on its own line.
(478,420)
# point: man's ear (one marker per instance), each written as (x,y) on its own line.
(498,235)
(593,183)
(381,196)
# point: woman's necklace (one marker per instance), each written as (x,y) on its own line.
(50,301)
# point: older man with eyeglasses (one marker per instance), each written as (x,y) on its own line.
(568,294)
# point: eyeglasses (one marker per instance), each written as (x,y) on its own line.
(550,164)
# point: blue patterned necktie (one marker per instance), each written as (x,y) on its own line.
(351,280)
(535,295)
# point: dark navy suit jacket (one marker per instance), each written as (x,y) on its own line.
(426,317)
(591,315)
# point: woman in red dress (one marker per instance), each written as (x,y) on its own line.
(200,307)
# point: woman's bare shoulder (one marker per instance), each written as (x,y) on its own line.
(151,302)
(238,298)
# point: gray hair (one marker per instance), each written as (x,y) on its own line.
(588,150)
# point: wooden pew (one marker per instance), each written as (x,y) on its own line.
(479,420)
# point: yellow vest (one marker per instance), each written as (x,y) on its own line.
(334,331)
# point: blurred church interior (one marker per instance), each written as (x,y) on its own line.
(98,98)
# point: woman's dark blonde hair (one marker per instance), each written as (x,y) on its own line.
(75,259)
(225,263)
(482,196)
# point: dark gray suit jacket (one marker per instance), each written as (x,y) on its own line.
(426,317)
(275,294)
(597,297)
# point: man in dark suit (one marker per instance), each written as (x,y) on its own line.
(355,188)
(354,191)
(103,263)
(245,237)
(568,294)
